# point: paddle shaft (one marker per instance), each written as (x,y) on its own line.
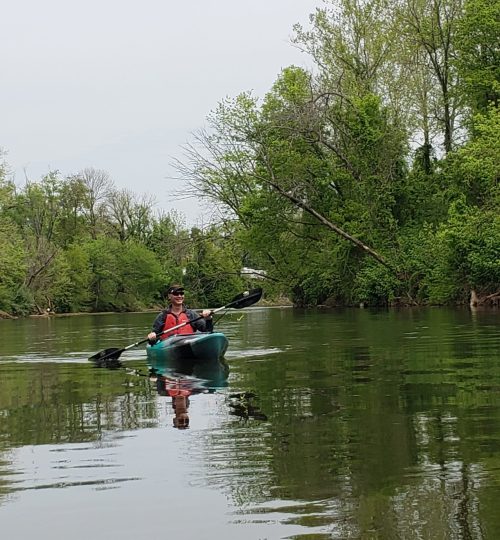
(242,300)
(212,311)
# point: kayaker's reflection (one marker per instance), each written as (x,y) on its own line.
(180,405)
(179,389)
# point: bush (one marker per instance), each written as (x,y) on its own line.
(375,285)
(467,255)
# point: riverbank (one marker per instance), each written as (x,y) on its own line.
(492,303)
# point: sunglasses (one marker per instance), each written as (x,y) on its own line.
(177,293)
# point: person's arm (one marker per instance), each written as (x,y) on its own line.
(203,325)
(157,327)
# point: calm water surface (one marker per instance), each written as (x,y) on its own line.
(334,424)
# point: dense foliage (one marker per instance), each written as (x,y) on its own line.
(78,244)
(372,179)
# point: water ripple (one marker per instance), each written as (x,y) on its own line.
(107,483)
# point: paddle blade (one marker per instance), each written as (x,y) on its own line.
(107,356)
(246,299)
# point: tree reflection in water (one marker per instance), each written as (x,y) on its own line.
(243,405)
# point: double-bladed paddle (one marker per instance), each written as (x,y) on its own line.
(242,300)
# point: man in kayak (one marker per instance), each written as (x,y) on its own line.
(176,314)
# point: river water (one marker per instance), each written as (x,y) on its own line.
(340,424)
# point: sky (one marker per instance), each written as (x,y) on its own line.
(121,85)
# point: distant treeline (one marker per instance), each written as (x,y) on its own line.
(79,244)
(372,179)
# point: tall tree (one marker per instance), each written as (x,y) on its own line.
(352,43)
(130,215)
(39,207)
(478,53)
(430,26)
(72,222)
(300,164)
(12,252)
(213,273)
(98,185)
(169,240)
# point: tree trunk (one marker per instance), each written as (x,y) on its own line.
(368,250)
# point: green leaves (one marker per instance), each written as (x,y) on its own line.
(478,58)
(76,244)
(12,266)
(124,276)
(471,240)
(315,183)
(213,272)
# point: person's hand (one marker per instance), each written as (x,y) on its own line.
(152,336)
(206,313)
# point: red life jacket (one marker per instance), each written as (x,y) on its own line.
(172,320)
(175,392)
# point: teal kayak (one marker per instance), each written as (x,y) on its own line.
(200,354)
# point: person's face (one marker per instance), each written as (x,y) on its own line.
(176,298)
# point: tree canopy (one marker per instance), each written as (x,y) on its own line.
(370,179)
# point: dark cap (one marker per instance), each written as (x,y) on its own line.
(175,288)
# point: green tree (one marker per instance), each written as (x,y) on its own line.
(141,276)
(467,257)
(72,223)
(473,170)
(39,208)
(169,239)
(124,276)
(297,166)
(429,28)
(70,290)
(12,252)
(352,43)
(130,215)
(478,53)
(213,274)
(12,267)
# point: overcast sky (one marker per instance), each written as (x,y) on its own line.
(120,85)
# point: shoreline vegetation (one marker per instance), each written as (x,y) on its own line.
(371,179)
(283,304)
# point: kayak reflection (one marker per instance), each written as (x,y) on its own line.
(180,387)
(242,404)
